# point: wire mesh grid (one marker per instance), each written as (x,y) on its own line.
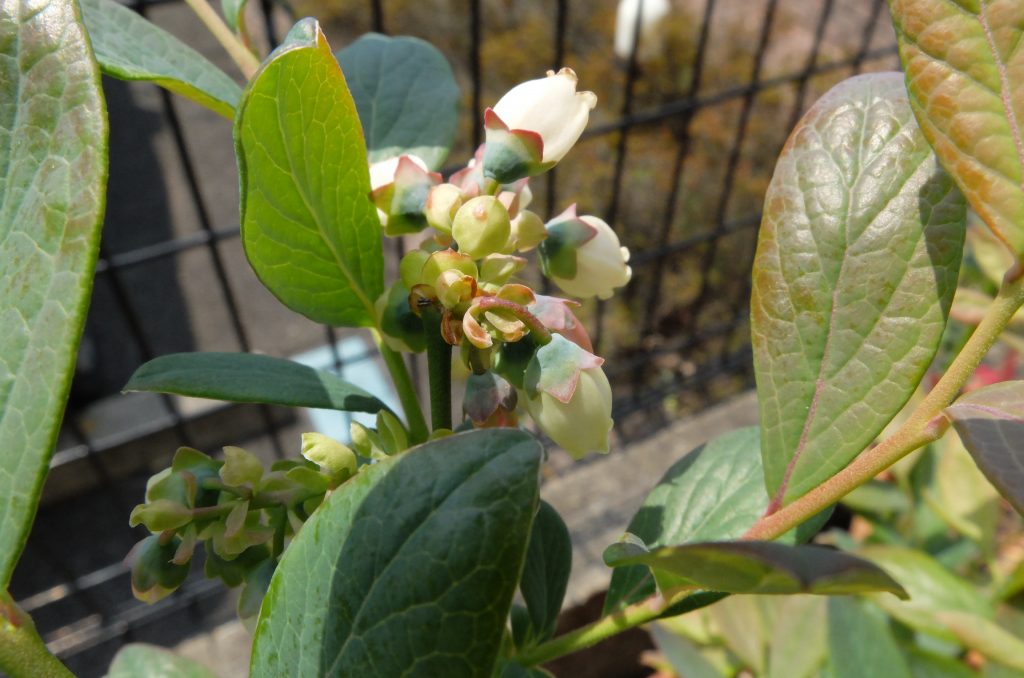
(677,159)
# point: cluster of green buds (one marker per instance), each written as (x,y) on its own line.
(243,513)
(524,350)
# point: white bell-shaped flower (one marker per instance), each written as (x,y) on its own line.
(534,125)
(583,256)
(651,14)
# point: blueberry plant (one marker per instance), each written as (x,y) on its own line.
(400,552)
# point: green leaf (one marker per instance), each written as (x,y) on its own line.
(987,637)
(546,571)
(961,495)
(53,155)
(798,644)
(756,567)
(927,665)
(878,498)
(860,643)
(411,574)
(932,589)
(234,13)
(309,228)
(406,96)
(131,48)
(856,266)
(251,378)
(965,75)
(681,654)
(990,422)
(139,659)
(715,492)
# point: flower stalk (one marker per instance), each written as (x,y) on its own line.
(439,369)
(22,651)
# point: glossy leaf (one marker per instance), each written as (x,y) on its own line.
(138,659)
(411,573)
(715,492)
(965,75)
(308,226)
(53,155)
(860,642)
(545,575)
(990,422)
(251,378)
(406,96)
(756,567)
(855,270)
(129,47)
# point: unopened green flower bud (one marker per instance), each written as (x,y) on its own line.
(481,227)
(240,467)
(411,266)
(154,575)
(337,459)
(160,515)
(439,262)
(496,269)
(527,231)
(443,202)
(454,289)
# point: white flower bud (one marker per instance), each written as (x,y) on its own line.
(581,425)
(652,22)
(582,255)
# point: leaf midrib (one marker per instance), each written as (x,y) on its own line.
(378,577)
(314,212)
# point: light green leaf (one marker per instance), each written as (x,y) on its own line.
(856,266)
(755,567)
(961,495)
(251,378)
(714,492)
(682,655)
(798,644)
(406,95)
(860,642)
(987,637)
(129,47)
(927,665)
(990,422)
(309,228)
(545,575)
(138,659)
(965,74)
(53,155)
(932,589)
(234,13)
(411,573)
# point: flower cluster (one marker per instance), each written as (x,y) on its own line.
(242,513)
(524,350)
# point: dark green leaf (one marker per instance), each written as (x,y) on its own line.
(756,567)
(715,492)
(406,95)
(860,643)
(130,48)
(251,378)
(546,571)
(309,228)
(414,579)
(509,669)
(990,422)
(53,156)
(965,75)
(138,659)
(855,271)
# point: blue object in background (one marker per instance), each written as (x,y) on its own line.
(359,366)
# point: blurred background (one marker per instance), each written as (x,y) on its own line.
(676,158)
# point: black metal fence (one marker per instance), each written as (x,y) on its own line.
(677,159)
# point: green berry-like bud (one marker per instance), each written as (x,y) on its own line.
(411,266)
(443,202)
(528,231)
(154,575)
(481,227)
(446,260)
